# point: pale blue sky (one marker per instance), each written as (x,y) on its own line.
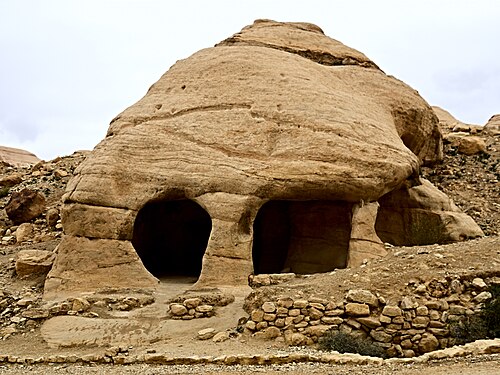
(67,67)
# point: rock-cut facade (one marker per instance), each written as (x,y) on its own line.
(278,150)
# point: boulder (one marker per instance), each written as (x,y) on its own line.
(10,180)
(25,232)
(471,145)
(34,262)
(264,154)
(420,214)
(24,206)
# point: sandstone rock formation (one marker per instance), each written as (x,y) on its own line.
(17,157)
(493,125)
(266,154)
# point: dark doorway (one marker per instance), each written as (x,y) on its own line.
(170,237)
(303,237)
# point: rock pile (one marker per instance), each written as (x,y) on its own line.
(201,305)
(32,199)
(470,171)
(417,323)
(19,312)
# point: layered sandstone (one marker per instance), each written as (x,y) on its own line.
(17,157)
(269,150)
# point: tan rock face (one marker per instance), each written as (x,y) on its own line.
(493,125)
(261,154)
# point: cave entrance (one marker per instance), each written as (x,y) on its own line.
(170,237)
(302,237)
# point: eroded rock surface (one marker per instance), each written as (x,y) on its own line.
(278,114)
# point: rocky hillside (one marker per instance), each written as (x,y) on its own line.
(470,171)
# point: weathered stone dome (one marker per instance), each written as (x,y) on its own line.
(267,152)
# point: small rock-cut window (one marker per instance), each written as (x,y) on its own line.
(170,237)
(302,237)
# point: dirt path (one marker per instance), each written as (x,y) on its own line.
(482,365)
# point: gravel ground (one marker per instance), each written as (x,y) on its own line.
(479,365)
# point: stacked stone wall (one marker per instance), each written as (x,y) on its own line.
(415,324)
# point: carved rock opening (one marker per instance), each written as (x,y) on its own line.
(170,237)
(303,237)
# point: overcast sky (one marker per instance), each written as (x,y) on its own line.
(68,67)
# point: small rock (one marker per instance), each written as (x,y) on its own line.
(178,309)
(362,296)
(421,289)
(257,315)
(17,319)
(370,322)
(271,333)
(391,311)
(23,302)
(52,216)
(250,325)
(483,297)
(471,145)
(428,344)
(204,309)
(24,232)
(408,303)
(268,307)
(479,283)
(297,339)
(220,337)
(380,336)
(334,320)
(357,309)
(260,280)
(11,180)
(192,303)
(300,304)
(80,305)
(37,313)
(206,334)
(59,173)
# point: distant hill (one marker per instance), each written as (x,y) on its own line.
(17,157)
(448,122)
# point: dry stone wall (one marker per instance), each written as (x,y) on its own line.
(414,324)
(194,306)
